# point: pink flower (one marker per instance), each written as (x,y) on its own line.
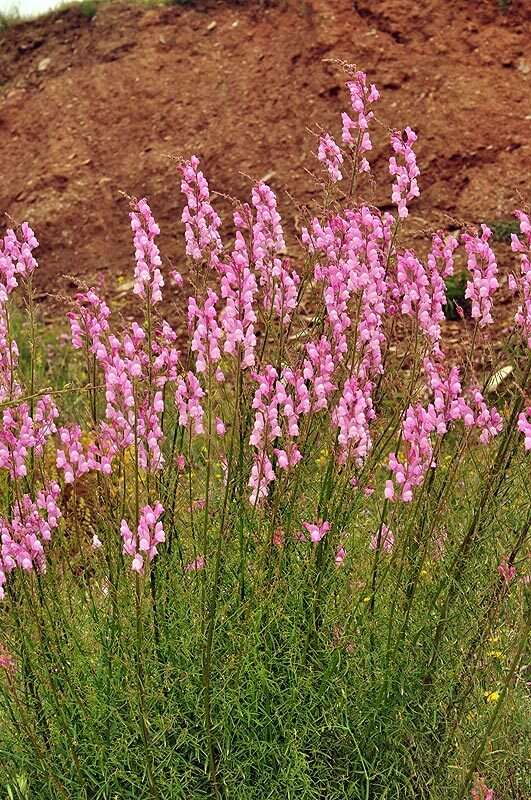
(317,530)
(220,427)
(330,155)
(72,458)
(7,662)
(507,571)
(389,492)
(201,222)
(279,282)
(480,790)
(89,323)
(483,268)
(176,277)
(361,96)
(188,397)
(422,291)
(410,471)
(384,539)
(96,542)
(405,186)
(340,556)
(148,535)
(195,565)
(352,416)
(23,536)
(238,288)
(16,258)
(206,333)
(524,426)
(318,369)
(523,283)
(148,262)
(278,538)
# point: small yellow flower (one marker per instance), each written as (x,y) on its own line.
(494,639)
(366,599)
(492,697)
(495,654)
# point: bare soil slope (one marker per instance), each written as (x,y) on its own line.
(90,108)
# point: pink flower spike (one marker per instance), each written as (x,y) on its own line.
(330,155)
(201,222)
(523,282)
(149,534)
(403,167)
(483,268)
(148,262)
(361,97)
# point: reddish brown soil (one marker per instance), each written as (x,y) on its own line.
(90,108)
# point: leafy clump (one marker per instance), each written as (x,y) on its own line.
(88,8)
(503,229)
(456,302)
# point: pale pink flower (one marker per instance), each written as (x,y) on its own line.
(331,156)
(524,426)
(176,277)
(340,556)
(317,530)
(196,565)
